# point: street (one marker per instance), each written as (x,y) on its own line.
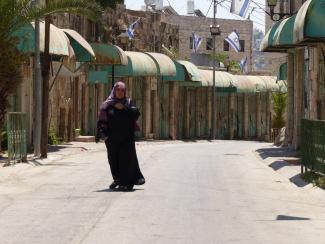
(204,192)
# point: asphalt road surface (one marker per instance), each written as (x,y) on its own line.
(206,192)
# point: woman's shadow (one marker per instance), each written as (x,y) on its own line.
(119,190)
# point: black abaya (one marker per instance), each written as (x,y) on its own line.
(120,145)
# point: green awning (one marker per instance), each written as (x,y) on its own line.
(224,81)
(165,65)
(310,22)
(59,43)
(139,64)
(270,82)
(268,40)
(191,69)
(186,73)
(247,84)
(283,36)
(63,42)
(95,77)
(283,72)
(180,76)
(108,54)
(82,49)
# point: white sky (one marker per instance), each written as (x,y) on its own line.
(257,16)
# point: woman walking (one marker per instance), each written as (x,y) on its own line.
(117,123)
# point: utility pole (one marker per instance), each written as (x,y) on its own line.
(213,135)
(46,80)
(37,91)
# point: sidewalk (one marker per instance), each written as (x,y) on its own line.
(286,162)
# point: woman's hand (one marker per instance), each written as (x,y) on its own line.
(119,106)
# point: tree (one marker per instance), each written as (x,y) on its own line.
(279,106)
(15,14)
(109,3)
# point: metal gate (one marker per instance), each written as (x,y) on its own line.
(264,109)
(204,112)
(222,115)
(17,136)
(164,109)
(192,101)
(180,103)
(137,98)
(239,113)
(251,116)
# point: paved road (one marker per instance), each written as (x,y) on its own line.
(195,193)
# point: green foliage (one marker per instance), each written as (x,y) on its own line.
(224,58)
(279,107)
(15,14)
(314,178)
(109,3)
(53,138)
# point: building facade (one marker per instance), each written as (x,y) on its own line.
(201,27)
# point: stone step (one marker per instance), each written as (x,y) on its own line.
(85,139)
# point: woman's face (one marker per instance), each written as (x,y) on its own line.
(119,93)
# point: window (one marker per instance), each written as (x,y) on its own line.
(191,42)
(209,44)
(242,45)
(225,46)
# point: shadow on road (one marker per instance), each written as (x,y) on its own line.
(277,152)
(117,190)
(57,148)
(286,217)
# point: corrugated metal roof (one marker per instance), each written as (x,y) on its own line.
(139,64)
(250,83)
(81,47)
(165,64)
(109,54)
(310,22)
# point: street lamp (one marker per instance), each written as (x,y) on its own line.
(215,31)
(277,16)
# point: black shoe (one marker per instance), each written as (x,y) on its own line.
(113,185)
(141,181)
(126,188)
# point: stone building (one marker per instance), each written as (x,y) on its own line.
(301,38)
(201,27)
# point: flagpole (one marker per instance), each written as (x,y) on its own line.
(213,136)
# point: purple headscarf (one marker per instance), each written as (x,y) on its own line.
(112,99)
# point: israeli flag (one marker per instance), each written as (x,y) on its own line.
(130,30)
(196,41)
(239,7)
(243,65)
(233,40)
